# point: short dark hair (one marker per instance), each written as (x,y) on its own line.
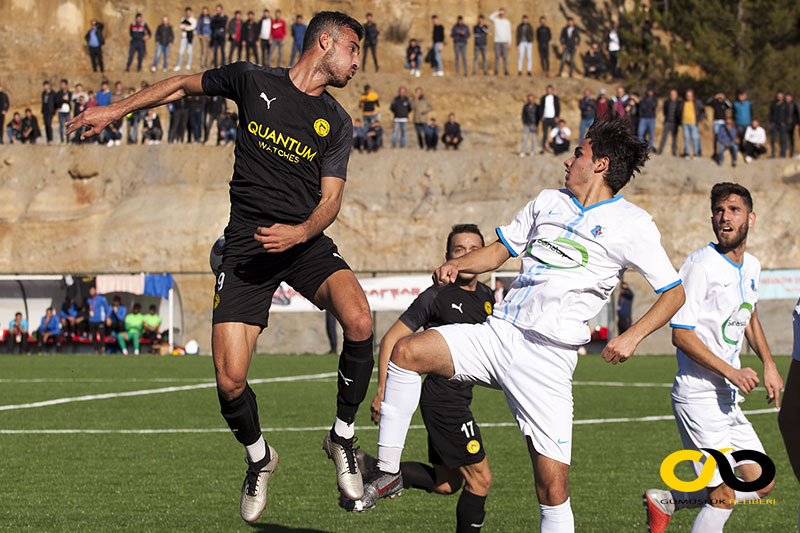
(612,138)
(462,228)
(64,81)
(720,191)
(136,306)
(153,308)
(330,22)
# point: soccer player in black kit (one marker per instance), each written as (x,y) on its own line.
(292,149)
(455,448)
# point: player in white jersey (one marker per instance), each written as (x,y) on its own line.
(789,416)
(721,283)
(575,244)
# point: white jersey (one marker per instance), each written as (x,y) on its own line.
(796,324)
(720,299)
(573,257)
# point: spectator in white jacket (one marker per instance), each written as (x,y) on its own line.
(502,38)
(188,28)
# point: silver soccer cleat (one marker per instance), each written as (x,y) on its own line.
(382,485)
(348,476)
(254,488)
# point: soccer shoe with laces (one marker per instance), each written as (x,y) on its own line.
(380,485)
(348,477)
(659,506)
(254,488)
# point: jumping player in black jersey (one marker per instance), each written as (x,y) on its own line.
(455,448)
(292,149)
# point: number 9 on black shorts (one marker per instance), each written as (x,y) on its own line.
(454,438)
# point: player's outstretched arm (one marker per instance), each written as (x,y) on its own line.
(281,237)
(476,262)
(619,349)
(772,378)
(395,333)
(168,90)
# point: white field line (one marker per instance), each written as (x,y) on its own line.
(318,428)
(145,392)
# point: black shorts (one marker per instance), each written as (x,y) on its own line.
(250,276)
(454,438)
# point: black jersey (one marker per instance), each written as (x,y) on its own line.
(438,306)
(286,142)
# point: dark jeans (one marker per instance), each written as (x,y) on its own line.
(218,43)
(670,128)
(547,123)
(97,332)
(137,47)
(3,127)
(96,55)
(195,126)
(479,49)
(180,120)
(431,141)
(571,53)
(367,47)
(419,128)
(48,126)
(614,68)
(544,58)
(210,118)
(777,131)
(248,47)
(40,341)
(235,45)
(754,151)
(264,54)
(12,343)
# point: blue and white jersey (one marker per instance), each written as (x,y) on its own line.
(572,259)
(720,299)
(796,325)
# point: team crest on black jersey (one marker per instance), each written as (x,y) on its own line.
(322,127)
(488,307)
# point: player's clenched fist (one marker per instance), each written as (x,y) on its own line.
(744,378)
(447,273)
(618,349)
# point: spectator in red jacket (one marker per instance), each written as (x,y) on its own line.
(278,34)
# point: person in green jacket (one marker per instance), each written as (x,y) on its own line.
(152,321)
(134,323)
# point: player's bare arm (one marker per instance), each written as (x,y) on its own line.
(689,343)
(168,90)
(396,332)
(478,261)
(772,378)
(281,237)
(619,349)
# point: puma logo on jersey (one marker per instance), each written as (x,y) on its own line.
(267,100)
(454,306)
(347,381)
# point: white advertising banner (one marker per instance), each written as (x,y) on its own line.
(779,284)
(391,293)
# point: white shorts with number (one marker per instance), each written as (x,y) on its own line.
(534,373)
(716,426)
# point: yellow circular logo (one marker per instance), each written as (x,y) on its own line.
(488,307)
(473,446)
(322,127)
(216,300)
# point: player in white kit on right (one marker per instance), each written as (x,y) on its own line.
(721,283)
(575,244)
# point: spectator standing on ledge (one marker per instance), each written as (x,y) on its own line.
(371,43)
(219,23)
(691,112)
(95,41)
(755,141)
(4,105)
(672,118)
(49,328)
(48,110)
(460,36)
(624,308)
(235,36)
(530,123)
(64,106)
(452,133)
(188,34)
(559,138)
(647,118)
(588,107)
(413,57)
(613,50)
(480,32)
(421,107)
(777,123)
(543,37)
(524,44)
(203,38)
(133,327)
(570,39)
(401,108)
(720,105)
(251,32)
(431,134)
(369,105)
(502,39)
(742,114)
(438,43)
(278,34)
(17,335)
(727,141)
(139,32)
(549,110)
(298,34)
(98,312)
(265,34)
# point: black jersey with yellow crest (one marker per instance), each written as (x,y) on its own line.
(438,306)
(286,142)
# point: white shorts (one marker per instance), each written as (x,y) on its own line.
(717,426)
(534,373)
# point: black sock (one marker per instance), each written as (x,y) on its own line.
(241,414)
(418,476)
(470,512)
(355,371)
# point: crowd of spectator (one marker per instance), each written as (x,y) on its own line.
(105,326)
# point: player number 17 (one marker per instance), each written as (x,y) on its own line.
(468,429)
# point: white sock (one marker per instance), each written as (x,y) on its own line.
(689,500)
(556,518)
(710,519)
(257,450)
(746,496)
(400,400)
(343,429)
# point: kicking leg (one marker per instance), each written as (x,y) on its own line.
(551,478)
